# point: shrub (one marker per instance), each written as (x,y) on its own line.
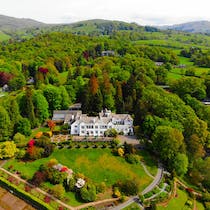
(38,135)
(206,196)
(111,132)
(132,158)
(189,203)
(168,188)
(115,142)
(38,178)
(120,152)
(129,148)
(128,187)
(100,188)
(207,205)
(104,145)
(55,177)
(20,154)
(116,192)
(52,162)
(42,141)
(70,184)
(27,188)
(58,191)
(34,152)
(19,139)
(64,126)
(148,195)
(79,176)
(86,145)
(122,199)
(141,198)
(88,193)
(47,199)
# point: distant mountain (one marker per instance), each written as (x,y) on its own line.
(192,27)
(97,27)
(12,24)
(21,28)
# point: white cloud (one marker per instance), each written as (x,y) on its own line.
(141,11)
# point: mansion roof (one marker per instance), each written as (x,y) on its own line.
(104,117)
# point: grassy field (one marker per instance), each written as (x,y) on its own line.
(167,43)
(179,202)
(98,164)
(4,37)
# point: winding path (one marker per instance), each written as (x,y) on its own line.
(146,171)
(133,199)
(156,180)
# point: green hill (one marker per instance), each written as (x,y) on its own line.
(10,23)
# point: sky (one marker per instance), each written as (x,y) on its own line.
(143,12)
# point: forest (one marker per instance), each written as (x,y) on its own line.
(53,70)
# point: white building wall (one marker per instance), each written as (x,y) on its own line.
(97,128)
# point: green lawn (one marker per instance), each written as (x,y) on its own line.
(149,161)
(174,76)
(185,61)
(177,73)
(98,164)
(179,202)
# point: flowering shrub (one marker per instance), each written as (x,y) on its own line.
(43,70)
(47,199)
(39,134)
(31,143)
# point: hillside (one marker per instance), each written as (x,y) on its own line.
(27,28)
(192,27)
(11,23)
(97,26)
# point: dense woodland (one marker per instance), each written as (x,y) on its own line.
(66,68)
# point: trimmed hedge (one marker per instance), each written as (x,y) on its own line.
(32,200)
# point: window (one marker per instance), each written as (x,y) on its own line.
(89,126)
(103,127)
(96,126)
(75,131)
(82,127)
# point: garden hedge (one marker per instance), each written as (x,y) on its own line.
(32,200)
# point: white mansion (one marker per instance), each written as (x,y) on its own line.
(83,125)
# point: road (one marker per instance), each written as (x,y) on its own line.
(127,203)
(149,188)
(156,180)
